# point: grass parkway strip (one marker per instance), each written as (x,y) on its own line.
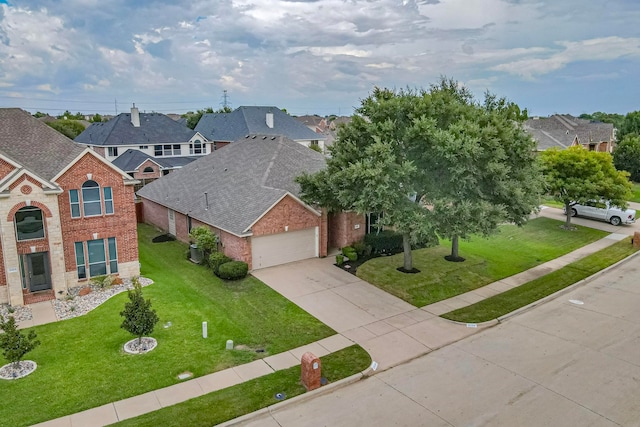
(232,402)
(513,299)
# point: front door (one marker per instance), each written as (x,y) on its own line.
(38,271)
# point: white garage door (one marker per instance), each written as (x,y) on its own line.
(281,248)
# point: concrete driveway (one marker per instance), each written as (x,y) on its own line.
(627,229)
(391,330)
(560,364)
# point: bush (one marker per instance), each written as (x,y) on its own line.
(350,253)
(386,241)
(233,270)
(217,259)
(105,281)
(362,249)
(339,259)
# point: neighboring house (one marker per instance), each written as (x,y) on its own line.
(564,131)
(153,134)
(146,168)
(315,123)
(247,195)
(66,213)
(224,128)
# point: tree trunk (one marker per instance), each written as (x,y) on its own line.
(567,209)
(454,247)
(408,258)
(455,256)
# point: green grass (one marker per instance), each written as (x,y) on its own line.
(81,363)
(635,191)
(511,251)
(550,201)
(506,302)
(232,402)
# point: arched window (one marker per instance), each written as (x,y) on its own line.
(148,169)
(91,198)
(29,223)
(195,147)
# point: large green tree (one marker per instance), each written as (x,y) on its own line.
(577,174)
(627,156)
(614,118)
(399,153)
(631,125)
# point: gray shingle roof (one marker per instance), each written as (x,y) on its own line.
(155,128)
(34,145)
(130,160)
(244,121)
(242,181)
(560,130)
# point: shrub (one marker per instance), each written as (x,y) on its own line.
(339,259)
(350,253)
(217,259)
(139,318)
(362,249)
(206,241)
(386,241)
(104,281)
(233,270)
(13,342)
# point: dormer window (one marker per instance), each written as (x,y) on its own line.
(196,147)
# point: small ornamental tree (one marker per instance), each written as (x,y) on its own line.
(206,240)
(14,343)
(139,318)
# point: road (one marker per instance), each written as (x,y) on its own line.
(574,361)
(627,229)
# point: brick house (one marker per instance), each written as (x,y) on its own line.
(247,195)
(66,213)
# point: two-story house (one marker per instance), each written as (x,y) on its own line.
(66,213)
(224,128)
(145,145)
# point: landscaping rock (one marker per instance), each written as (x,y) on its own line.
(13,371)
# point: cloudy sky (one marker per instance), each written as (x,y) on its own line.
(315,56)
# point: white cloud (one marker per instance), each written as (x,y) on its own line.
(600,49)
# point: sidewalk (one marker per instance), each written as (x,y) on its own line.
(168,396)
(393,334)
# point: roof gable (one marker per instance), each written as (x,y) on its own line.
(36,147)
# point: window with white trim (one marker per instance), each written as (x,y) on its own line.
(196,147)
(112,151)
(90,199)
(96,257)
(166,150)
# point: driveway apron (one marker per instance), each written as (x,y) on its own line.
(390,329)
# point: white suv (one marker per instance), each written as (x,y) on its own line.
(603,211)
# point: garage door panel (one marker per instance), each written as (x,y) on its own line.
(276,249)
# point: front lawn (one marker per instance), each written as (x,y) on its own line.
(511,251)
(232,402)
(81,363)
(513,299)
(635,192)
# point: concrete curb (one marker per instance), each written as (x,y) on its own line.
(299,399)
(566,290)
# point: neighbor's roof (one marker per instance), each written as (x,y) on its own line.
(241,181)
(37,147)
(560,130)
(155,128)
(130,160)
(245,121)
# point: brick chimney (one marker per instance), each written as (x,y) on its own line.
(270,120)
(135,116)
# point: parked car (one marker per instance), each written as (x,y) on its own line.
(604,211)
